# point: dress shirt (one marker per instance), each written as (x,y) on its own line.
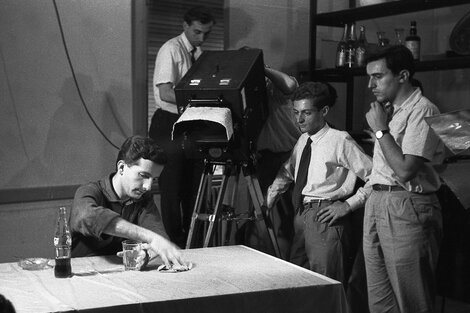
(336,161)
(415,137)
(172,62)
(96,205)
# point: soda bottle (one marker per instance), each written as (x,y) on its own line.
(63,246)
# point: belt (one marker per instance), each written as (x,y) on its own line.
(389,188)
(316,203)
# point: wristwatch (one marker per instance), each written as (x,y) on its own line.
(380,133)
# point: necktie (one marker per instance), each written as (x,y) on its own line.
(302,174)
(193,59)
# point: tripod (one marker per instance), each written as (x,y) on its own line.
(217,216)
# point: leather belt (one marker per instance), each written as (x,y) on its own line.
(389,188)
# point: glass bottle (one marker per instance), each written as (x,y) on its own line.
(361,47)
(341,49)
(399,36)
(382,41)
(351,47)
(413,41)
(63,246)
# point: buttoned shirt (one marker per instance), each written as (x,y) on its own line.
(336,162)
(415,137)
(96,205)
(172,62)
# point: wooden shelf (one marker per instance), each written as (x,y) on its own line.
(339,18)
(345,74)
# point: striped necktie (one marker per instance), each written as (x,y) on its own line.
(302,175)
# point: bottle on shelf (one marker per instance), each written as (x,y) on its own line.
(361,47)
(351,47)
(63,246)
(341,49)
(413,41)
(382,41)
(399,36)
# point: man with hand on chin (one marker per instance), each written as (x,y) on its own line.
(119,207)
(324,165)
(402,219)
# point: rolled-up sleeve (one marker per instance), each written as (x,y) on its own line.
(87,216)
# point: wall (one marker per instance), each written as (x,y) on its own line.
(49,142)
(279,27)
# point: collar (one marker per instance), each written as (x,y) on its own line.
(319,134)
(415,96)
(187,45)
(109,192)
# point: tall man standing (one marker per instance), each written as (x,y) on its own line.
(402,222)
(174,59)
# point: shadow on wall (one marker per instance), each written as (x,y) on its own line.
(75,151)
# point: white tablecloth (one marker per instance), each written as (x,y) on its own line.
(223,279)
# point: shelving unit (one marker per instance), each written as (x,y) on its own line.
(339,18)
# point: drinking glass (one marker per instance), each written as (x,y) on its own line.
(131,250)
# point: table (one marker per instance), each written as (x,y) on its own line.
(223,279)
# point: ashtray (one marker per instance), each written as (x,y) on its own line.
(34,264)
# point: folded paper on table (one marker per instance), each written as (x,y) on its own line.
(222,116)
(453,129)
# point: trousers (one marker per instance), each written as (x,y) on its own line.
(321,248)
(402,233)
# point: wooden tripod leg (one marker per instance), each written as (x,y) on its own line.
(206,175)
(258,199)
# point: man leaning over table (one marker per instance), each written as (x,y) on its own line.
(119,207)
(324,165)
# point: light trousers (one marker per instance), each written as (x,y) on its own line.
(402,233)
(321,248)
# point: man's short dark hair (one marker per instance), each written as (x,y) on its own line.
(200,14)
(137,147)
(397,58)
(323,94)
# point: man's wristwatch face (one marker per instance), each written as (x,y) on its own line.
(380,133)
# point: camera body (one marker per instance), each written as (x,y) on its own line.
(231,80)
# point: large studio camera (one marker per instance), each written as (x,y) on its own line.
(222,102)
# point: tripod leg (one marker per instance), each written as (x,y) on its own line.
(220,199)
(257,199)
(197,206)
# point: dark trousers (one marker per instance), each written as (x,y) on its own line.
(178,181)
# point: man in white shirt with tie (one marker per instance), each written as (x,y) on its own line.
(180,175)
(324,184)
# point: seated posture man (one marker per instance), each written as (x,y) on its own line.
(118,207)
(324,165)
(402,219)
